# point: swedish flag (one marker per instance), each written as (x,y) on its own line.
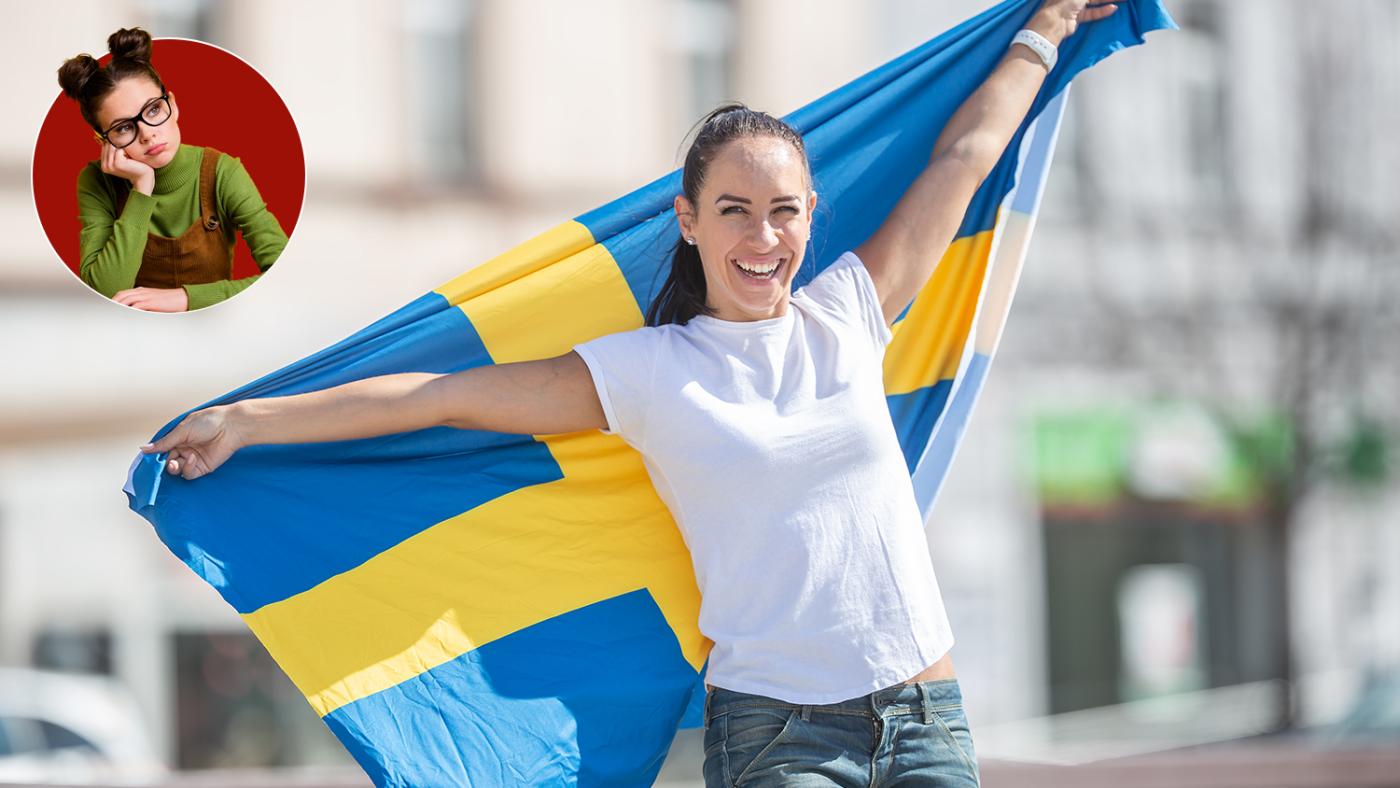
(473,608)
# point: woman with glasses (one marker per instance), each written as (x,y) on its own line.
(159,218)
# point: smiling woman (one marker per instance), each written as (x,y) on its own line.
(159,218)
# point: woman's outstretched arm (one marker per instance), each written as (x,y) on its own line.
(903,252)
(547,396)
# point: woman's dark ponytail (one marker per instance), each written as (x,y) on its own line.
(682,295)
(87,82)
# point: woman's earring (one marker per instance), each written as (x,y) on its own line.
(690,240)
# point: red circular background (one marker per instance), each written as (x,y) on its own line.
(224,104)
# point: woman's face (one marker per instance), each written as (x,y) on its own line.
(751,224)
(154,145)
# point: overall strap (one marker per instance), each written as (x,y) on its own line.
(207,212)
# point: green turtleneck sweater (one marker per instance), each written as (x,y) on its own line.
(112,246)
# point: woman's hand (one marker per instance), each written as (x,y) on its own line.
(903,252)
(116,162)
(1058,19)
(199,443)
(154,299)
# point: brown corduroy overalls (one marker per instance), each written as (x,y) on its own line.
(203,253)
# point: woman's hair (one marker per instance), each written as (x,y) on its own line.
(682,295)
(88,83)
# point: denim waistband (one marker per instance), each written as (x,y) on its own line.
(924,697)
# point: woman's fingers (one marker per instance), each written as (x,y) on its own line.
(161,300)
(155,299)
(170,442)
(137,297)
(195,467)
(192,465)
(1097,11)
(184,462)
(185,468)
(116,162)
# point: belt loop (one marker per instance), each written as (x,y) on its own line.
(928,704)
(708,695)
(806,712)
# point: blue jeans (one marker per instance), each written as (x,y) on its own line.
(905,735)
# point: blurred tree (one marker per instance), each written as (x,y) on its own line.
(1250,263)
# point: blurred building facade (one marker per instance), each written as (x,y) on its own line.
(1216,205)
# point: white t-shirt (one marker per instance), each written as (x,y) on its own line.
(771,443)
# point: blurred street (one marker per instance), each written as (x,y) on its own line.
(1248,766)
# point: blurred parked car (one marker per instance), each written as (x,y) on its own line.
(72,728)
(1376,714)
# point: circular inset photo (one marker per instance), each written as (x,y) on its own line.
(152,162)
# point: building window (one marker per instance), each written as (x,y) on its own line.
(703,42)
(195,19)
(73,650)
(1203,102)
(235,708)
(441,97)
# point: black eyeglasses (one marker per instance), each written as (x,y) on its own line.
(123,132)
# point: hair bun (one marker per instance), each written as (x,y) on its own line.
(76,72)
(130,44)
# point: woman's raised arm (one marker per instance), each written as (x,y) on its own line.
(903,252)
(547,396)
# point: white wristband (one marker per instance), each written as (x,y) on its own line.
(1038,44)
